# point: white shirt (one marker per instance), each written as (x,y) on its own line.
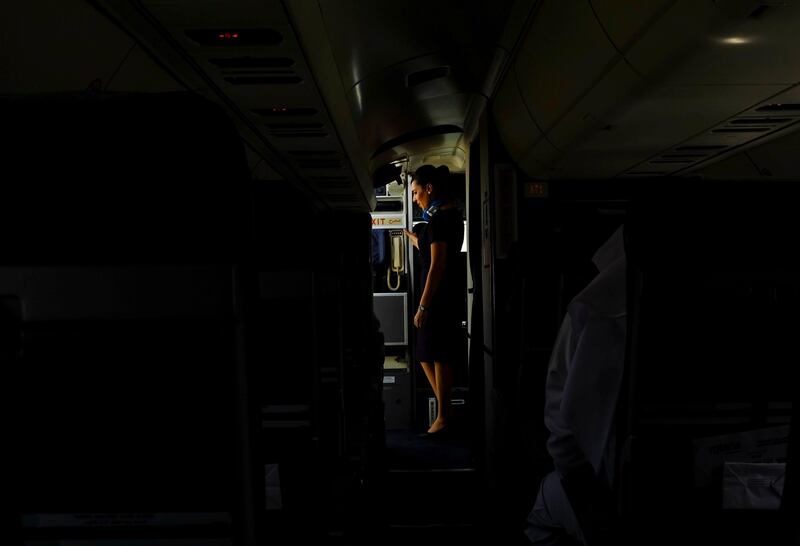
(585,370)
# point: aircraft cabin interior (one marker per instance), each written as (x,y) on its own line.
(215,242)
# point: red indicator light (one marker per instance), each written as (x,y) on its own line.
(235,35)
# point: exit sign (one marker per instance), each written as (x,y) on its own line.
(535,190)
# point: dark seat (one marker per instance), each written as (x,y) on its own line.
(125,225)
(713,297)
(121,179)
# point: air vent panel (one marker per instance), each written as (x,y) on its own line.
(742,130)
(290,126)
(759,121)
(245,63)
(318,134)
(673,161)
(779,108)
(329,178)
(707,147)
(307,153)
(319,163)
(297,130)
(423,76)
(263,80)
(284,111)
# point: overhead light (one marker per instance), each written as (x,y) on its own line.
(735,40)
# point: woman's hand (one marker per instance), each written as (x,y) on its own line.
(413,238)
(420,318)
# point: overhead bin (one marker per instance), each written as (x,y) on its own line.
(564,54)
(517,126)
(595,91)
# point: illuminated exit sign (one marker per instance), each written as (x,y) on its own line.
(395,221)
(535,190)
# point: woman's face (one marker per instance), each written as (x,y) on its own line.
(420,194)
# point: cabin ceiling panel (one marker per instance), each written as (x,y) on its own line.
(312,34)
(625,26)
(368,37)
(63,54)
(385,109)
(600,162)
(675,74)
(258,168)
(674,36)
(283,103)
(517,128)
(684,117)
(414,66)
(721,43)
(736,167)
(564,53)
(263,80)
(751,51)
(776,159)
(444,149)
(594,112)
(301,94)
(453,157)
(539,159)
(786,103)
(715,108)
(414,95)
(139,74)
(240,13)
(669,114)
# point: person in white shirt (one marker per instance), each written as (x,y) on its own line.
(583,383)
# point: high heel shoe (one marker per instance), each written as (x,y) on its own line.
(439,433)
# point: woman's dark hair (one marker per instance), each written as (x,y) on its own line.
(438,177)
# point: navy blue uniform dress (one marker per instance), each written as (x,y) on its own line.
(438,340)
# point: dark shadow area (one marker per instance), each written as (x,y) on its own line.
(407,449)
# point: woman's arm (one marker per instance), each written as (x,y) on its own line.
(435,274)
(413,238)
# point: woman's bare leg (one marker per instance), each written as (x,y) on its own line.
(428,368)
(444,376)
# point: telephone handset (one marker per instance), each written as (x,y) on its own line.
(397,262)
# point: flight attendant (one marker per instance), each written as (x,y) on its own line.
(438,317)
